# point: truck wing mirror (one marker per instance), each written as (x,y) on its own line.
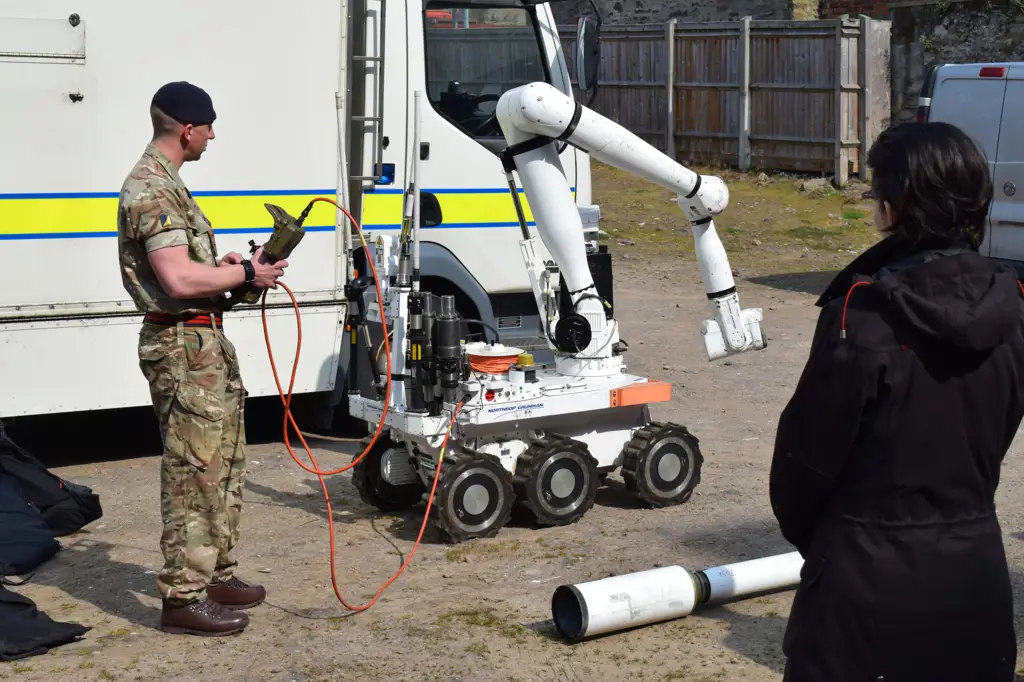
(588,53)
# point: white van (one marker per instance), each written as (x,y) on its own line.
(981,99)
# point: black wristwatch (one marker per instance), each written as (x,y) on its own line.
(250,271)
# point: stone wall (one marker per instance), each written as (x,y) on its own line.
(660,11)
(833,9)
(949,31)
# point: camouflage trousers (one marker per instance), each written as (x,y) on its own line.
(199,399)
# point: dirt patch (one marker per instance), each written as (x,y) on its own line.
(481,611)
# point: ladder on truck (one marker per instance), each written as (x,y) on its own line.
(358,107)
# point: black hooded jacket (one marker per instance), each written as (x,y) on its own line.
(886,464)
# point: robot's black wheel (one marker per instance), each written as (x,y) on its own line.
(474,496)
(386,478)
(661,464)
(556,481)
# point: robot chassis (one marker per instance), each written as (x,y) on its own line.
(539,438)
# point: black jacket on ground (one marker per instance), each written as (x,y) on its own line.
(885,468)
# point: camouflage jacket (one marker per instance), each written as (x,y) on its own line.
(156,210)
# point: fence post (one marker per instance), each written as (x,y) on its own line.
(841,171)
(865,67)
(743,151)
(670,88)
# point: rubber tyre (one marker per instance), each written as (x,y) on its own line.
(368,479)
(489,504)
(536,486)
(655,480)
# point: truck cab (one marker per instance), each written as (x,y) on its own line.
(463,55)
(985,101)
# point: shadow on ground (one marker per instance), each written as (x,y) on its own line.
(87,571)
(813,283)
(404,525)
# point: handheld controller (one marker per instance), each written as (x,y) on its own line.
(288,232)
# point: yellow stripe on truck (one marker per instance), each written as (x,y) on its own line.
(54,216)
(57,216)
(382,210)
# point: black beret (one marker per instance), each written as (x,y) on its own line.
(185,103)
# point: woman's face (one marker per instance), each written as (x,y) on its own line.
(883,215)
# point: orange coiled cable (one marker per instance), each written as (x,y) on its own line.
(286,401)
(492,364)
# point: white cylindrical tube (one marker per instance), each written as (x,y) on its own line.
(750,577)
(623,601)
(417,114)
(660,594)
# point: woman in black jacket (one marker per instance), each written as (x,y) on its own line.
(887,457)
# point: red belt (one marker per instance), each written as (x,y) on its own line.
(204,320)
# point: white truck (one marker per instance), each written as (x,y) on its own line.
(313,98)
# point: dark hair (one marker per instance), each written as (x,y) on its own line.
(937,181)
(163,124)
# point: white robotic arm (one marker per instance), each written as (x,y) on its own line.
(534,118)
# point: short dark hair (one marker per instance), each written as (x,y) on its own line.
(937,180)
(163,125)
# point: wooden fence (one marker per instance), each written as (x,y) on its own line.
(807,96)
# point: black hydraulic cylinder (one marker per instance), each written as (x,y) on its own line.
(449,348)
(414,391)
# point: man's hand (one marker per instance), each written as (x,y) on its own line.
(266,273)
(231,258)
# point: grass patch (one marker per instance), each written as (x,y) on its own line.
(486,618)
(478,648)
(773,224)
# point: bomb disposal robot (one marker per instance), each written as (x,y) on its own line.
(531,436)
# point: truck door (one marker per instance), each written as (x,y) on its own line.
(1006,217)
(970,97)
(470,56)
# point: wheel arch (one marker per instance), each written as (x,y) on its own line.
(441,272)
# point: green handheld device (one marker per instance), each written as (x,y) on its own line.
(288,232)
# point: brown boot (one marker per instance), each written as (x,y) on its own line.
(205,618)
(236,594)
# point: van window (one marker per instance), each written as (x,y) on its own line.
(473,56)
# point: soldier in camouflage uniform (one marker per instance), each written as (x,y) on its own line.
(170,267)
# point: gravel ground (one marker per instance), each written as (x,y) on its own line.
(478,611)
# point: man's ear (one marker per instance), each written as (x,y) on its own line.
(186,135)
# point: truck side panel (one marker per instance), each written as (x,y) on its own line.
(76,90)
(82,126)
(92,363)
